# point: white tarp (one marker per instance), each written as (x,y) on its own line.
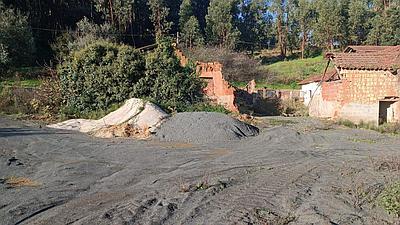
(135,112)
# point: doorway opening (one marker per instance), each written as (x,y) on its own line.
(386,112)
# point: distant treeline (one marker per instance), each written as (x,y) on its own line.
(238,24)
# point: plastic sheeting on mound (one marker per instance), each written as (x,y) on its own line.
(135,112)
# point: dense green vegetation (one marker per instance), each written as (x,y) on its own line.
(389,199)
(287,25)
(99,75)
(93,49)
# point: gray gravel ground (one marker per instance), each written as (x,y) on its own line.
(297,171)
(204,127)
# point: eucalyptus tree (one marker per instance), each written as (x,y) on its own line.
(221,24)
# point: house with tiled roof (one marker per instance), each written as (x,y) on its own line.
(364,86)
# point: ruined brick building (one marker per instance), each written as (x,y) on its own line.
(218,89)
(364,86)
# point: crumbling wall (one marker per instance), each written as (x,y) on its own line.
(217,89)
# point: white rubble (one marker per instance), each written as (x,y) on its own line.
(135,112)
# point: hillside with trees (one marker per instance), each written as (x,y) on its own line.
(287,25)
(88,39)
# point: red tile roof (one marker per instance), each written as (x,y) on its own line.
(368,58)
(314,79)
(367,48)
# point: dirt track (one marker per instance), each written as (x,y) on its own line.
(301,173)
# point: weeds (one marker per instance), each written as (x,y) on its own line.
(15,182)
(16,100)
(206,107)
(360,140)
(388,163)
(358,189)
(267,216)
(279,122)
(389,199)
(204,184)
(292,107)
(387,128)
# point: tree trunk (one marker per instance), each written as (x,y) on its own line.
(303,44)
(280,36)
(110,3)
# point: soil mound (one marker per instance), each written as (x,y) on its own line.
(204,127)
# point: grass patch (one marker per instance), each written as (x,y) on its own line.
(389,199)
(27,83)
(279,122)
(360,140)
(271,86)
(206,107)
(388,128)
(297,69)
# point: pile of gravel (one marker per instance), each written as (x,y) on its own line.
(204,127)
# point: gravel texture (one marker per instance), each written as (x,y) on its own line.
(305,172)
(204,127)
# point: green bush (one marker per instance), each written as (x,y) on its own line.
(389,199)
(16,40)
(99,75)
(167,83)
(206,107)
(85,34)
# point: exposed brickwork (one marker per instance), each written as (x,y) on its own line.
(330,90)
(356,95)
(218,89)
(368,87)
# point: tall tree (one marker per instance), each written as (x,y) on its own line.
(185,12)
(385,29)
(159,14)
(189,25)
(358,21)
(17,47)
(255,23)
(278,8)
(200,9)
(305,15)
(292,25)
(191,33)
(221,24)
(119,13)
(327,27)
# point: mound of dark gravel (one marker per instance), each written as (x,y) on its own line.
(204,127)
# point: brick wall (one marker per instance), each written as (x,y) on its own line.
(330,90)
(218,89)
(368,87)
(356,96)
